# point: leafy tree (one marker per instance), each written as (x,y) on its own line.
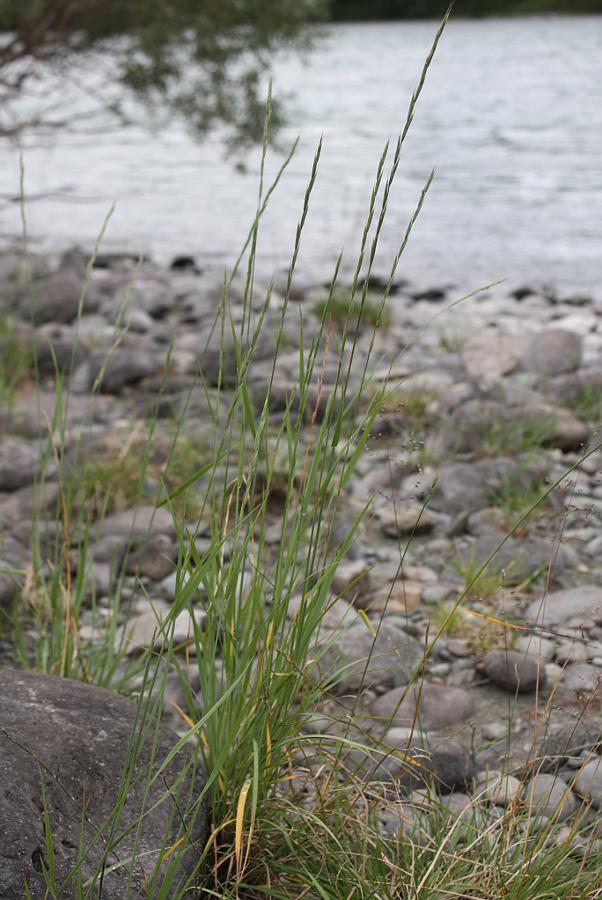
(201,59)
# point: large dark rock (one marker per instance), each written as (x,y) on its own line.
(453,766)
(65,747)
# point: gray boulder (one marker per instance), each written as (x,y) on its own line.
(19,465)
(518,559)
(588,782)
(560,606)
(121,367)
(54,299)
(514,671)
(64,749)
(425,706)
(552,352)
(355,658)
(549,795)
(452,766)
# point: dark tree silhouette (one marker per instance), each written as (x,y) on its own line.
(201,59)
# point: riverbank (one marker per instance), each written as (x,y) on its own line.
(169,448)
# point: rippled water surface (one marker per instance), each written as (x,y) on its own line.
(511,117)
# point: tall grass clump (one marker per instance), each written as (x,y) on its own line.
(288,816)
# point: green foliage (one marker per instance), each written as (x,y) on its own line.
(516,501)
(348,312)
(476,583)
(16,359)
(587,403)
(524,434)
(197,59)
(412,404)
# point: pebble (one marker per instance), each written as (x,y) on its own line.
(452,766)
(560,606)
(514,671)
(501,790)
(541,648)
(588,782)
(549,795)
(431,706)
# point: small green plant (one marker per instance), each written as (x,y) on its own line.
(524,434)
(517,499)
(106,485)
(16,359)
(476,584)
(343,311)
(413,405)
(453,620)
(451,343)
(587,404)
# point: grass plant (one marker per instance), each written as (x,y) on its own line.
(515,499)
(478,582)
(525,434)
(342,310)
(587,404)
(16,359)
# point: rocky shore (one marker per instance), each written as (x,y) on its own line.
(484,449)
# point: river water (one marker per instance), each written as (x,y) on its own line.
(510,117)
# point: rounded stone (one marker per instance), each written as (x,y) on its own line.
(572,603)
(549,795)
(452,766)
(581,677)
(571,652)
(65,748)
(588,782)
(19,465)
(429,707)
(501,790)
(354,658)
(553,352)
(540,648)
(514,671)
